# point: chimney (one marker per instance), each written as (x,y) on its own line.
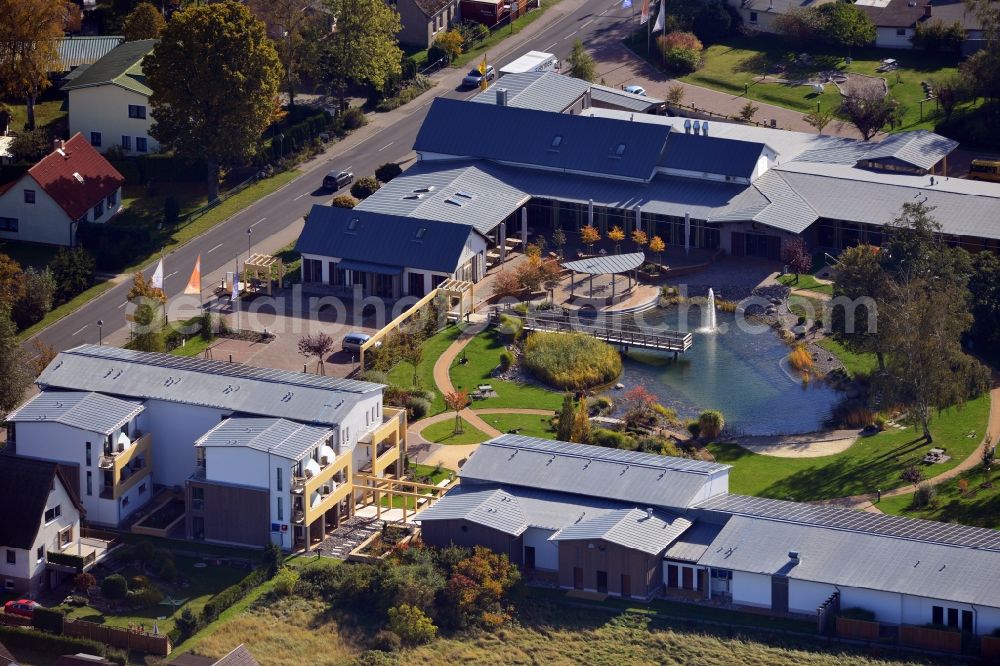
(649,512)
(501,97)
(793,555)
(704,127)
(928,10)
(687,125)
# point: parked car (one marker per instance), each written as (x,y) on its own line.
(22,607)
(353,341)
(636,90)
(474,78)
(337,179)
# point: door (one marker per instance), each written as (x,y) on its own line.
(529,558)
(779,594)
(672,575)
(626,586)
(577,578)
(967,622)
(602,581)
(738,243)
(687,577)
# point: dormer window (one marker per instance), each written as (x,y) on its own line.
(557,141)
(620,150)
(353,224)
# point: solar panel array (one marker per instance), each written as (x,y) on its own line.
(222,368)
(856,521)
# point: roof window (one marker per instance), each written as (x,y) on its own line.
(557,140)
(453,202)
(464,195)
(421,232)
(79,178)
(429,188)
(413,196)
(353,224)
(620,150)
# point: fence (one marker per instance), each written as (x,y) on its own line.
(198,212)
(141,641)
(926,638)
(860,630)
(990,647)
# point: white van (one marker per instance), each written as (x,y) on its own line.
(532,61)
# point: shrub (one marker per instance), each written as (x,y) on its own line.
(912,474)
(73,271)
(411,625)
(231,595)
(272,559)
(171,210)
(681,61)
(48,619)
(82,582)
(117,656)
(186,624)
(285,581)
(610,439)
(146,596)
(23,638)
(364,187)
(447,46)
(137,583)
(800,359)
(354,118)
(693,427)
(571,361)
(682,40)
(925,495)
(114,587)
(344,201)
(377,658)
(417,408)
(167,570)
(387,642)
(387,172)
(711,423)
(506,360)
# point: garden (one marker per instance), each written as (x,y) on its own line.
(968,499)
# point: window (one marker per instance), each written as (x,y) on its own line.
(136,111)
(98,210)
(953,617)
(140,144)
(620,150)
(753,17)
(89,463)
(11,434)
(66,537)
(937,615)
(278,480)
(8,224)
(53,513)
(142,488)
(125,501)
(126,142)
(90,483)
(11,556)
(352,224)
(281,509)
(29,196)
(421,232)
(901,32)
(557,141)
(95,139)
(967,621)
(40,553)
(112,199)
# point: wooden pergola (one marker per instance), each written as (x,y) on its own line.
(455,292)
(264,267)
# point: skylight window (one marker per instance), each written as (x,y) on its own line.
(453,202)
(353,224)
(421,232)
(620,150)
(414,196)
(429,188)
(557,140)
(78,177)
(464,195)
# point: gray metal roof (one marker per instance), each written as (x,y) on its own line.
(540,139)
(85,50)
(786,208)
(928,531)
(711,154)
(78,409)
(611,263)
(543,91)
(919,148)
(367,237)
(856,559)
(277,436)
(638,478)
(620,99)
(226,386)
(630,528)
(490,507)
(693,543)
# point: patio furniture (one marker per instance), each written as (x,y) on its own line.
(935,456)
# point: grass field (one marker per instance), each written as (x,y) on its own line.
(402,374)
(443,432)
(531,425)
(48,110)
(420,474)
(483,354)
(871,463)
(979,506)
(806,281)
(855,364)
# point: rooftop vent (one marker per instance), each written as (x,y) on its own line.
(464,195)
(704,127)
(697,126)
(501,97)
(414,196)
(794,556)
(649,512)
(453,202)
(687,125)
(429,188)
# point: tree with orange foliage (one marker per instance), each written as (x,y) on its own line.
(657,245)
(640,239)
(506,284)
(457,401)
(589,235)
(617,235)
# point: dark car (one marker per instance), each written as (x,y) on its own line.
(22,607)
(337,179)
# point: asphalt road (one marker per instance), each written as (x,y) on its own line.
(593,22)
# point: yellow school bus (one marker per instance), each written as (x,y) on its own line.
(985,170)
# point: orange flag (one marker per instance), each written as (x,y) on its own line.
(194,284)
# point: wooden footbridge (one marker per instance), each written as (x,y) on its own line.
(621,334)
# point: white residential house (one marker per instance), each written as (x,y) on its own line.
(71,185)
(46,520)
(109,101)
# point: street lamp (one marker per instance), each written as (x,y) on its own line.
(100,331)
(249,234)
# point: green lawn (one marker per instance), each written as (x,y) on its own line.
(483,355)
(872,463)
(531,425)
(29,254)
(855,364)
(443,432)
(422,474)
(806,281)
(979,506)
(47,111)
(402,374)
(739,62)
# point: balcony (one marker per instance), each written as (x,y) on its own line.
(322,496)
(117,459)
(82,554)
(131,472)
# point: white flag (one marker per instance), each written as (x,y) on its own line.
(236,282)
(627,4)
(660,18)
(157,278)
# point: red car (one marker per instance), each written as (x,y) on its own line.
(22,607)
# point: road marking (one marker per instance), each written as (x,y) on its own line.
(257,222)
(81,330)
(550,45)
(570,35)
(171,275)
(586,24)
(348,167)
(385,146)
(214,249)
(300,196)
(123,305)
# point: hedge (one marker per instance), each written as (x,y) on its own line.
(300,134)
(32,639)
(48,619)
(232,594)
(9,172)
(67,559)
(114,246)
(159,167)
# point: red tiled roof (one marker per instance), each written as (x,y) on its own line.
(57,175)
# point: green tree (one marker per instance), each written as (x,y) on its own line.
(114,587)
(29,33)
(411,625)
(365,187)
(73,270)
(581,425)
(14,375)
(35,303)
(984,286)
(214,76)
(869,110)
(800,26)
(363,48)
(950,91)
(31,146)
(748,111)
(388,171)
(447,46)
(11,282)
(559,240)
(144,22)
(844,24)
(297,28)
(581,63)
(566,416)
(187,623)
(819,119)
